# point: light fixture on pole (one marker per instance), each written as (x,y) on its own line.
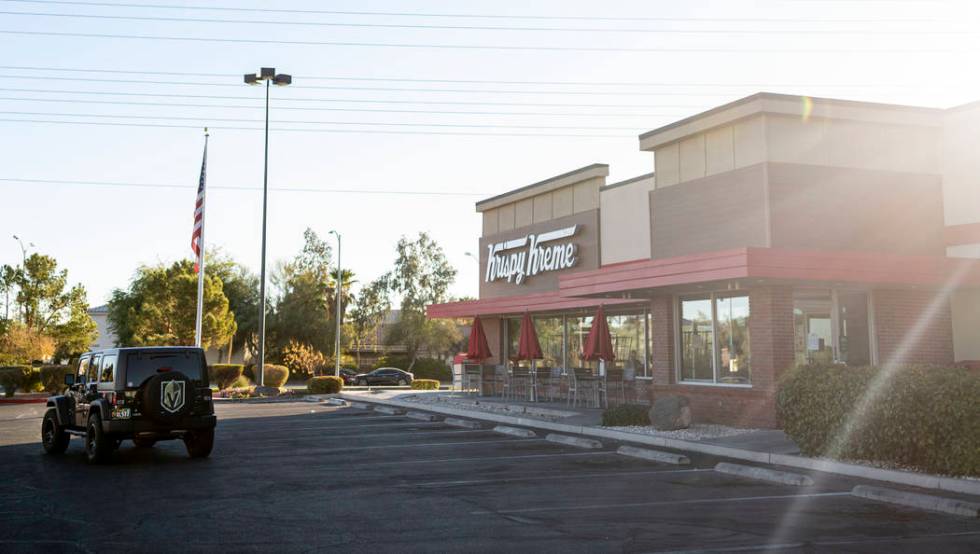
(23,251)
(338,299)
(267,74)
(475,259)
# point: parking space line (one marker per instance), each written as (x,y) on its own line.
(840,542)
(407,432)
(487,458)
(386,446)
(661,503)
(382,425)
(552,477)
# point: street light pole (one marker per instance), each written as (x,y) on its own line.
(338,299)
(267,74)
(23,267)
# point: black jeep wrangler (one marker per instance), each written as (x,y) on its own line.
(140,394)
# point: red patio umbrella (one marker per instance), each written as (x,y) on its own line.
(598,345)
(478,349)
(528,347)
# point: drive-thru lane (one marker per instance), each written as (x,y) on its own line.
(306,477)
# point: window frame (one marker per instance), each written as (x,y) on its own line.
(115,362)
(711,297)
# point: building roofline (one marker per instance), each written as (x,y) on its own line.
(558,181)
(629,181)
(742,108)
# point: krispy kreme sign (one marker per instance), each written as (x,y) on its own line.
(517,259)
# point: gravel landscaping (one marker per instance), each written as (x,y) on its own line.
(693,433)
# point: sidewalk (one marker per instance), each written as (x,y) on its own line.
(760,446)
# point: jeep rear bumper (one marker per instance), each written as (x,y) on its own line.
(130,426)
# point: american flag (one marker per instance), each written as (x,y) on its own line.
(197,235)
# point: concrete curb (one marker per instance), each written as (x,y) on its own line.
(653,455)
(362,405)
(336,402)
(921,480)
(467,423)
(578,442)
(916,500)
(422,416)
(515,432)
(390,410)
(765,474)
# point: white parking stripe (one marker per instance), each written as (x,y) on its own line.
(661,503)
(552,477)
(294,451)
(485,458)
(839,542)
(406,432)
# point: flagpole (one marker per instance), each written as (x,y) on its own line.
(200,261)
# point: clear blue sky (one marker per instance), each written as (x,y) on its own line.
(102,233)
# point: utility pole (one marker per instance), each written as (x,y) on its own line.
(339,295)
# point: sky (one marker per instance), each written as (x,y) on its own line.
(401,114)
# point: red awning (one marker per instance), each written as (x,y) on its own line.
(540,302)
(528,347)
(598,345)
(478,349)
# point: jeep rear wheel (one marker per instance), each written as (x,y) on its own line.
(199,443)
(98,447)
(53,437)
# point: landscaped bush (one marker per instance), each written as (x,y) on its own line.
(327,384)
(223,375)
(424,368)
(240,383)
(33,382)
(626,414)
(53,377)
(425,384)
(275,375)
(927,417)
(15,377)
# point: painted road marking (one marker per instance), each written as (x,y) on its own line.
(662,503)
(837,542)
(552,477)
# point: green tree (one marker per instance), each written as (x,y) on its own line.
(421,276)
(161,305)
(241,287)
(8,279)
(49,308)
(371,305)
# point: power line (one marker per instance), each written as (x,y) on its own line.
(382,89)
(358,110)
(496,47)
(496,28)
(355,101)
(239,188)
(464,15)
(471,81)
(295,130)
(308,122)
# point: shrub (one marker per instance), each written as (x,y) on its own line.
(53,377)
(626,414)
(223,375)
(425,384)
(241,383)
(327,384)
(275,375)
(925,417)
(33,381)
(15,377)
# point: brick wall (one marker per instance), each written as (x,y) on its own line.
(662,335)
(908,332)
(770,334)
(738,407)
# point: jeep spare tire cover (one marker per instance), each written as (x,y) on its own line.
(167,396)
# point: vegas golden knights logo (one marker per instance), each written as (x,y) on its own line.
(172,395)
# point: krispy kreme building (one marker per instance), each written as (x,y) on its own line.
(775,230)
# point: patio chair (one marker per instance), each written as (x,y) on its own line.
(544,384)
(615,381)
(583,380)
(473,379)
(519,383)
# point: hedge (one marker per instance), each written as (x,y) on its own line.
(275,375)
(224,375)
(425,384)
(326,384)
(424,368)
(925,417)
(53,377)
(15,377)
(626,414)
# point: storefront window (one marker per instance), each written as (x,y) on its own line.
(629,337)
(832,326)
(549,336)
(732,314)
(697,340)
(578,334)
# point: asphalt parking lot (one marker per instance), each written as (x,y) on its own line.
(309,477)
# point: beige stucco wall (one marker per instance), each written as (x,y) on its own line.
(725,148)
(624,225)
(572,199)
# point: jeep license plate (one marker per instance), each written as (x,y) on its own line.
(121,413)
